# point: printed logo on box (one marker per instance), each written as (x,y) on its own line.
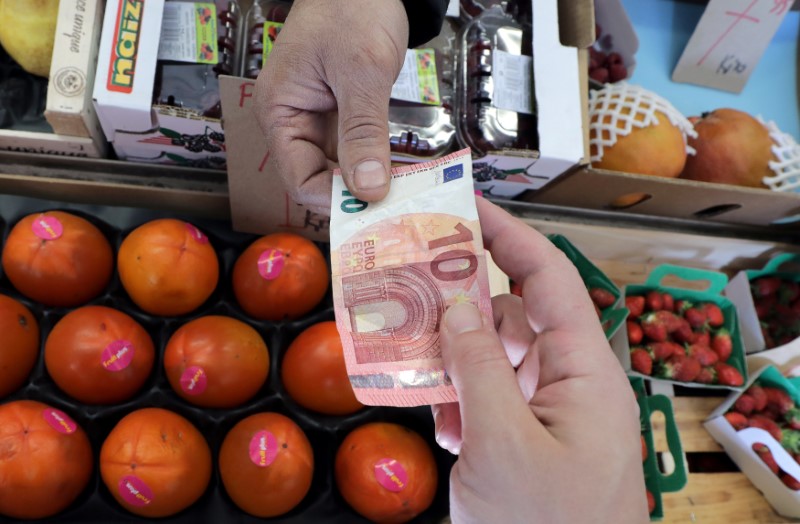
(122,68)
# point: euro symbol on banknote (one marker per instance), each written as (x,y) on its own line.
(397,266)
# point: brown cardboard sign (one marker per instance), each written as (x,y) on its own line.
(729,41)
(259,203)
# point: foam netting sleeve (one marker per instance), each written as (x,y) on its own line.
(609,121)
(787,167)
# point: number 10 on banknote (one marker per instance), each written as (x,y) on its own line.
(397,266)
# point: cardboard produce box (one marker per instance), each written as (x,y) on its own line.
(71,127)
(738,445)
(717,282)
(656,481)
(561,92)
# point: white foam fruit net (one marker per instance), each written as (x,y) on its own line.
(787,165)
(619,108)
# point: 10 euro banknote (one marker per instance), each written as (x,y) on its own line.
(397,265)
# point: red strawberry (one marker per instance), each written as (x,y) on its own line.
(737,420)
(641,361)
(759,396)
(644,449)
(703,338)
(745,404)
(765,286)
(765,455)
(703,354)
(722,344)
(768,425)
(668,303)
(664,350)
(669,319)
(788,292)
(779,399)
(597,310)
(680,368)
(653,329)
(684,332)
(695,317)
(728,375)
(635,333)
(791,482)
(713,314)
(681,306)
(764,307)
(707,375)
(516,289)
(635,306)
(793,418)
(653,301)
(651,502)
(602,297)
(796,457)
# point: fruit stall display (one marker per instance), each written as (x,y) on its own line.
(159,368)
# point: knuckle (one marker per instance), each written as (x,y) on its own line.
(363,129)
(478,349)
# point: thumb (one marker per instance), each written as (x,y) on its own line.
(363,148)
(485,380)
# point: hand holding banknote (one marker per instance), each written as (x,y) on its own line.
(569,453)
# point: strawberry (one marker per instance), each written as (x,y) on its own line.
(765,286)
(653,301)
(516,289)
(728,375)
(707,375)
(680,368)
(713,314)
(759,396)
(695,317)
(644,449)
(602,297)
(703,354)
(669,319)
(651,502)
(788,292)
(664,350)
(793,419)
(758,421)
(722,344)
(702,337)
(641,361)
(597,310)
(635,306)
(635,333)
(654,327)
(790,482)
(667,302)
(683,333)
(764,307)
(737,420)
(780,399)
(745,404)
(765,455)
(681,306)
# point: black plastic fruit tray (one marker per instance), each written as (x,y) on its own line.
(96,504)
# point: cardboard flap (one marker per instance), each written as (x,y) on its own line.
(576,22)
(738,291)
(676,480)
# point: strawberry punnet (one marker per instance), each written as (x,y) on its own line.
(722,344)
(641,362)
(635,306)
(765,455)
(728,375)
(602,297)
(737,420)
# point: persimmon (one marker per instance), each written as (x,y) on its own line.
(99,355)
(216,362)
(58,259)
(20,333)
(45,460)
(168,267)
(155,463)
(266,464)
(280,277)
(324,386)
(386,472)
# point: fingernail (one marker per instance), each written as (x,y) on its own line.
(370,174)
(462,318)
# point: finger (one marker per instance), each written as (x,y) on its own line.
(447,426)
(489,397)
(512,327)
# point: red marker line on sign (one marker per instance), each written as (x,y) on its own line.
(739,18)
(780,7)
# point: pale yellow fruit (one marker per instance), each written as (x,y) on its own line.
(27,31)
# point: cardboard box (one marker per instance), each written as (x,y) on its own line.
(657,482)
(738,291)
(71,128)
(655,281)
(613,316)
(123,93)
(738,445)
(561,90)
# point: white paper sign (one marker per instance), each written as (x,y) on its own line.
(417,81)
(729,41)
(512,79)
(189,33)
(453,8)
